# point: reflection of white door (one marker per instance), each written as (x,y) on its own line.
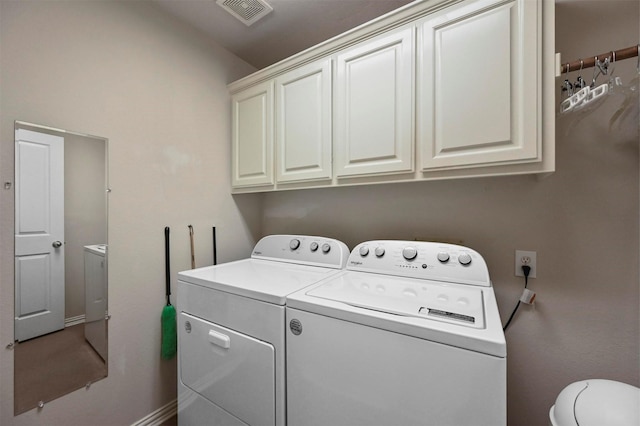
(39,234)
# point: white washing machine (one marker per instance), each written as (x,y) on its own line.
(408,334)
(95,291)
(231,330)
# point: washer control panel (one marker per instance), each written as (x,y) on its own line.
(421,259)
(303,249)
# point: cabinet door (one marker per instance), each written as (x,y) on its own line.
(303,129)
(479,81)
(252,136)
(373,109)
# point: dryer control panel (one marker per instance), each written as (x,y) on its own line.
(302,249)
(420,259)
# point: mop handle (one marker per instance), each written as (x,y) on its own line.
(167,263)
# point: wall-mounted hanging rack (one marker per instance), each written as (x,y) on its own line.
(589,62)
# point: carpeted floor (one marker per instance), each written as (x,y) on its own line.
(53,365)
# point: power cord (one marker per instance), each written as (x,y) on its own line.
(525,270)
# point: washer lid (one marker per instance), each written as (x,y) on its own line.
(336,297)
(429,300)
(99,249)
(264,280)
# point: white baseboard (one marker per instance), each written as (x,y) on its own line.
(68,322)
(160,415)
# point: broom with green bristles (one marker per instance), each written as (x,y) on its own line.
(168,319)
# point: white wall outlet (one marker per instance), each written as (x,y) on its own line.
(524,257)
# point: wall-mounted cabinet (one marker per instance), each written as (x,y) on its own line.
(478,92)
(252,136)
(303,123)
(374,106)
(434,90)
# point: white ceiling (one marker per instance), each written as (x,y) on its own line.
(293,26)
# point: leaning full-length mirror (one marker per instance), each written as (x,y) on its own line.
(61,250)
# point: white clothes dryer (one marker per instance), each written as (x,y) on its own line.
(408,334)
(231,329)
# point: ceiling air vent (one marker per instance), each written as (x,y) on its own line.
(247,11)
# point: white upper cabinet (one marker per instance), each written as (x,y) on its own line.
(303,123)
(252,136)
(479,84)
(374,106)
(437,89)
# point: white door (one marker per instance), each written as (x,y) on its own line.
(39,234)
(374,106)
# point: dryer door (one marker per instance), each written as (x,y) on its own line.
(234,371)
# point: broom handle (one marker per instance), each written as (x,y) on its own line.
(167,263)
(215,249)
(193,257)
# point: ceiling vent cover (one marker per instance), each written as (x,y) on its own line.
(247,11)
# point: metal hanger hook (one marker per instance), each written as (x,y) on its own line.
(603,66)
(580,81)
(613,62)
(566,85)
(596,70)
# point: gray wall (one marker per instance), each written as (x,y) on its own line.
(157,90)
(582,221)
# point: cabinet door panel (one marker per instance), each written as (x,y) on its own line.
(374,106)
(252,139)
(478,85)
(303,130)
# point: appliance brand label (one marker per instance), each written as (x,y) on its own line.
(446,314)
(295,326)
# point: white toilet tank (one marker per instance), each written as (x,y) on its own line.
(597,402)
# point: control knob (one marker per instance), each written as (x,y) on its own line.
(409,253)
(294,244)
(313,246)
(326,248)
(379,251)
(464,259)
(443,257)
(364,250)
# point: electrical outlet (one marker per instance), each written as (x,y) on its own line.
(526,258)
